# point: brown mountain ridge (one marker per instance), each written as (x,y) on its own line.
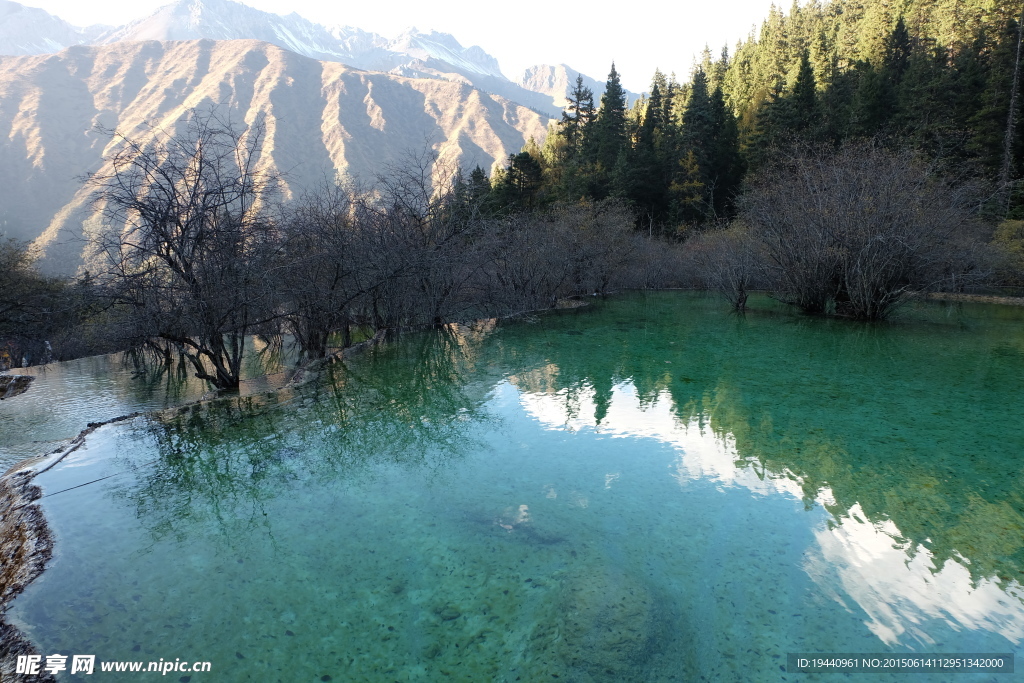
(323,118)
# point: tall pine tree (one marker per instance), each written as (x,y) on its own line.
(578,115)
(608,136)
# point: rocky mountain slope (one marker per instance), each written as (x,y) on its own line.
(323,118)
(559,80)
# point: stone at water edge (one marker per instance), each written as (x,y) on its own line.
(12,385)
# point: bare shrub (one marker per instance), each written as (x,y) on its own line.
(431,240)
(42,318)
(655,263)
(726,261)
(321,273)
(854,231)
(568,250)
(594,239)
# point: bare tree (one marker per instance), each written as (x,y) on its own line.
(199,260)
(434,237)
(407,252)
(190,239)
(594,239)
(526,269)
(568,250)
(323,272)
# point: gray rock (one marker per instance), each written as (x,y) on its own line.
(12,385)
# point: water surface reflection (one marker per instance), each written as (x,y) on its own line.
(649,489)
(64,397)
(900,586)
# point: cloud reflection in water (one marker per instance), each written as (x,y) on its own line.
(854,561)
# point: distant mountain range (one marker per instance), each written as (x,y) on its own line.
(32,31)
(414,54)
(337,101)
(557,81)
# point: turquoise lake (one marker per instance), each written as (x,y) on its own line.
(650,488)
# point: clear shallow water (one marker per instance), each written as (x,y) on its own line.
(648,490)
(64,397)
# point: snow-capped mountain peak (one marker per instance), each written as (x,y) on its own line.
(444,47)
(414,53)
(29,31)
(229,20)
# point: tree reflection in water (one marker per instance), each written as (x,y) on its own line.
(915,422)
(220,457)
(906,421)
(907,427)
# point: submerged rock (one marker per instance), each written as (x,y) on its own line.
(610,625)
(12,385)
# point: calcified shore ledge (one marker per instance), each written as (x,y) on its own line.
(978,298)
(26,544)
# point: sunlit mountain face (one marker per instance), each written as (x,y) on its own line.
(324,120)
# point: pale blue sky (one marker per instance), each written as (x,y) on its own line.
(638,36)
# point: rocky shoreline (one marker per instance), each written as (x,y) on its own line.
(26,546)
